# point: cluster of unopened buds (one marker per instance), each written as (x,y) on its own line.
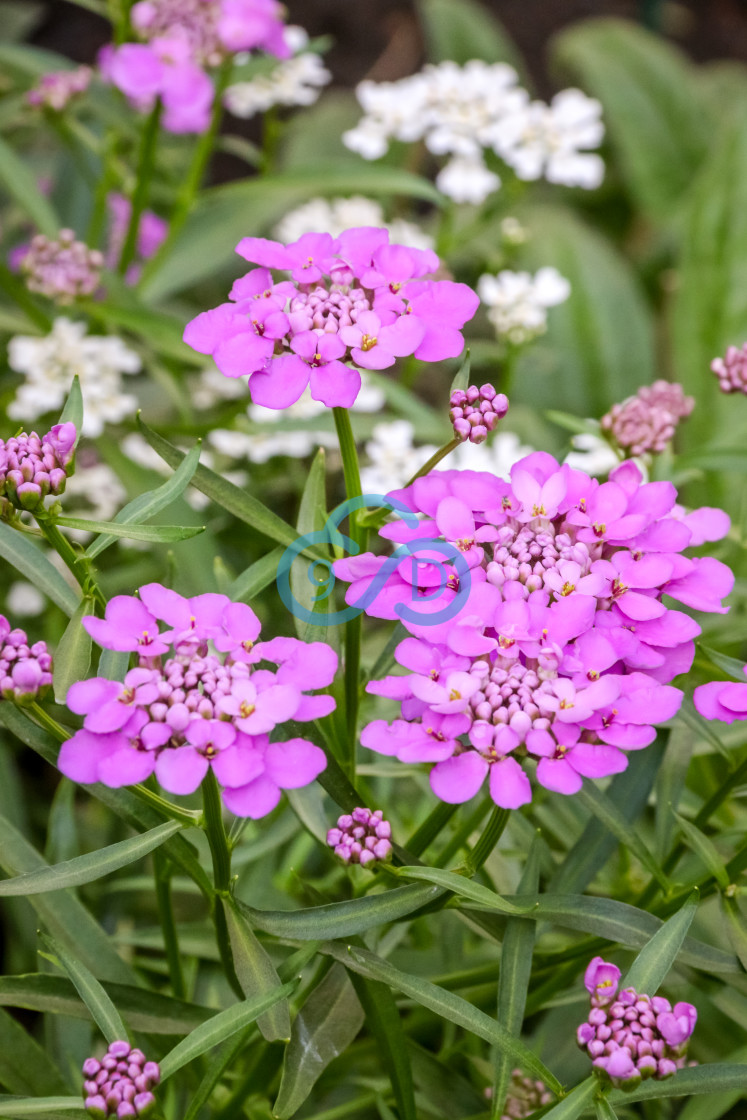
(61,268)
(32,466)
(647,422)
(120,1084)
(631,1036)
(525,1095)
(475,412)
(184,709)
(361,837)
(731,370)
(25,671)
(54,90)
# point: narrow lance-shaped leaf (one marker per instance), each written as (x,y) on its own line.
(103,1012)
(152,533)
(655,959)
(736,927)
(256,577)
(47,1107)
(323,1029)
(306,589)
(73,410)
(712,1077)
(385,1025)
(20,182)
(604,1109)
(18,550)
(220,1027)
(256,974)
(147,505)
(25,1066)
(576,1103)
(458,884)
(72,658)
(705,848)
(605,810)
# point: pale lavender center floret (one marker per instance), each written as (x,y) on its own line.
(120,1084)
(361,837)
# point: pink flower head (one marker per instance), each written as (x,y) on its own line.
(352,301)
(731,370)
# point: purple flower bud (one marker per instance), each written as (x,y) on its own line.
(144,1103)
(475,413)
(647,1066)
(666,1067)
(601,980)
(125,1109)
(91,1067)
(361,837)
(731,370)
(96,1107)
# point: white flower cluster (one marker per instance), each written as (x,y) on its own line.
(517,302)
(322,215)
(50,364)
(461,111)
(296,81)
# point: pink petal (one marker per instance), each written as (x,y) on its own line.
(281,384)
(126,767)
(558,775)
(254,800)
(260,250)
(403,336)
(458,779)
(80,756)
(294,763)
(593,761)
(509,785)
(238,765)
(181,769)
(455,519)
(335,384)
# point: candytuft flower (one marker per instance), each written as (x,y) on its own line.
(647,422)
(731,370)
(631,1036)
(56,89)
(517,302)
(120,1084)
(353,301)
(25,671)
(32,466)
(183,709)
(475,412)
(361,837)
(61,268)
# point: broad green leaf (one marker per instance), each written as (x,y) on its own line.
(147,505)
(72,658)
(385,1025)
(20,183)
(103,1012)
(600,342)
(606,811)
(141,1009)
(113,664)
(463,31)
(64,916)
(46,1108)
(461,377)
(446,1005)
(322,1030)
(238,502)
(736,927)
(256,577)
(652,109)
(513,979)
(670,785)
(706,849)
(448,1093)
(715,1104)
(152,533)
(24,1065)
(19,551)
(225,214)
(732,666)
(88,868)
(218,1028)
(576,1103)
(304,584)
(342,919)
(649,969)
(73,410)
(709,310)
(458,884)
(712,1077)
(222,1059)
(257,974)
(604,1109)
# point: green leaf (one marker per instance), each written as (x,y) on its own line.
(256,577)
(649,969)
(72,658)
(604,1109)
(142,1010)
(24,1065)
(73,410)
(463,31)
(64,916)
(237,502)
(223,1059)
(88,868)
(600,342)
(712,1077)
(103,1012)
(573,423)
(18,550)
(158,329)
(341,919)
(225,214)
(732,666)
(323,1029)
(458,884)
(20,182)
(46,1108)
(256,974)
(736,927)
(653,112)
(312,515)
(576,1103)
(461,377)
(606,811)
(705,848)
(385,1025)
(148,504)
(220,1027)
(152,533)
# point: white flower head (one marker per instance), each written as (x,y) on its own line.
(334,215)
(393,457)
(295,81)
(467,179)
(517,301)
(591,453)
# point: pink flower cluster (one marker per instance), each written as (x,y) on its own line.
(351,301)
(185,709)
(120,1084)
(722,700)
(25,671)
(61,268)
(54,90)
(32,466)
(563,650)
(181,38)
(361,837)
(476,411)
(731,370)
(647,422)
(150,234)
(631,1036)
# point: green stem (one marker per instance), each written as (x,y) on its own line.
(353,628)
(45,720)
(430,828)
(175,812)
(488,840)
(76,562)
(146,166)
(212,822)
(106,183)
(460,838)
(162,872)
(193,180)
(271,131)
(376,518)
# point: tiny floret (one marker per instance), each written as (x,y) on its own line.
(361,837)
(120,1084)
